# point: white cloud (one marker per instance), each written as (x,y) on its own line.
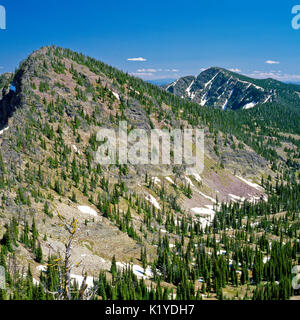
(272,62)
(171,70)
(156,70)
(137,59)
(147,70)
(142,74)
(235,70)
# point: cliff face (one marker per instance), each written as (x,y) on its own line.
(7,107)
(9,99)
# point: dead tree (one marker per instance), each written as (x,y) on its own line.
(64,267)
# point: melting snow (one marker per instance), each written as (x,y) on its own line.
(79,280)
(156,180)
(225,105)
(116,95)
(203,100)
(208,210)
(197,177)
(138,270)
(172,84)
(170,180)
(1,131)
(267,99)
(204,222)
(253,199)
(151,199)
(249,105)
(237,198)
(210,81)
(41,268)
(266,259)
(251,184)
(251,84)
(189,181)
(87,210)
(188,90)
(207,197)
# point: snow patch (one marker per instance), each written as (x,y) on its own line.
(153,201)
(251,184)
(170,180)
(207,197)
(173,84)
(210,81)
(225,105)
(137,270)
(156,180)
(189,181)
(188,90)
(253,199)
(79,279)
(266,259)
(203,100)
(197,177)
(87,210)
(236,198)
(267,99)
(204,222)
(1,131)
(41,268)
(74,147)
(207,211)
(249,105)
(116,95)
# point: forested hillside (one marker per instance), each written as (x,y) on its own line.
(71,228)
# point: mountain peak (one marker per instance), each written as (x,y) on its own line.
(221,88)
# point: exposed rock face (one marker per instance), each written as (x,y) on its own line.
(9,99)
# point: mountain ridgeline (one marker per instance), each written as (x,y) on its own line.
(220,88)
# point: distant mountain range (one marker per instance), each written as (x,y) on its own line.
(224,89)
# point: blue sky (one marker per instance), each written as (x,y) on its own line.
(175,38)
